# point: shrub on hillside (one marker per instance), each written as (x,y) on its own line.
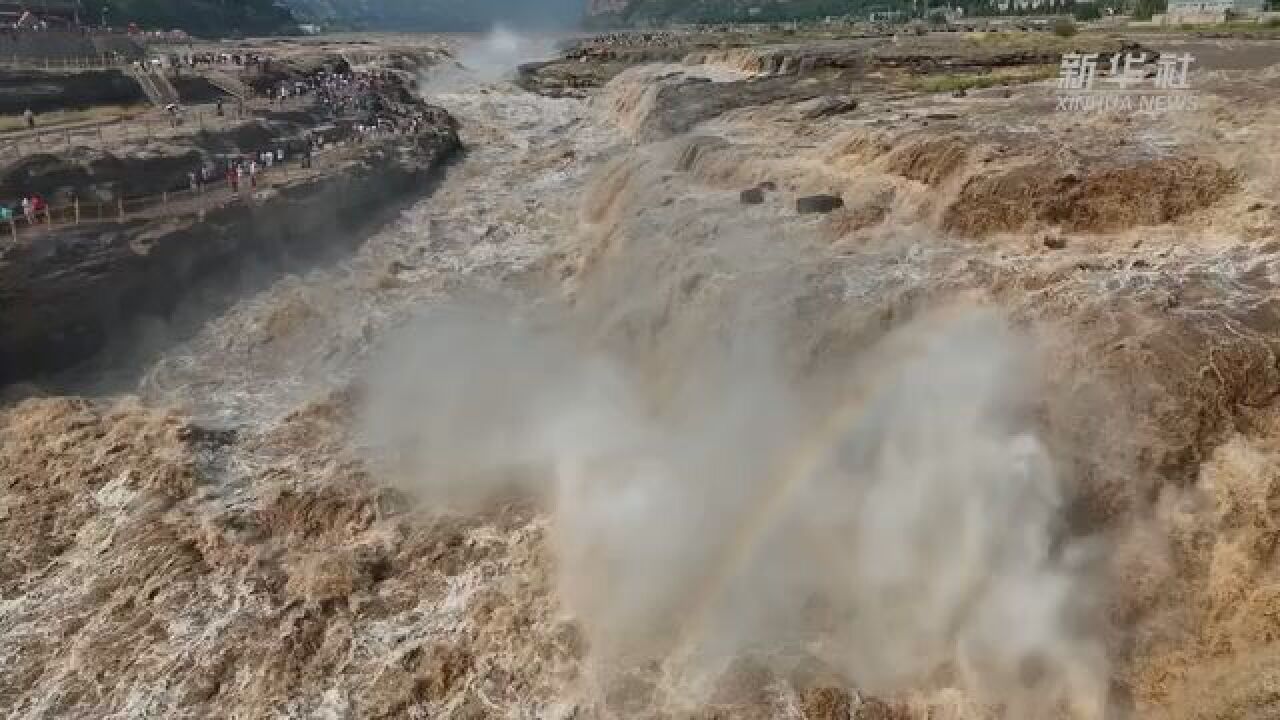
(1087,11)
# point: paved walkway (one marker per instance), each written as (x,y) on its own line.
(146,126)
(186,202)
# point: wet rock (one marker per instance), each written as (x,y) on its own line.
(818,204)
(826,106)
(1055,242)
(751,196)
(206,437)
(768,186)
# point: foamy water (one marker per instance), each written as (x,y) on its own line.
(610,433)
(497,213)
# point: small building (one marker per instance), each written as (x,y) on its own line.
(1198,12)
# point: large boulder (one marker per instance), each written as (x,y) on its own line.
(818,204)
(825,106)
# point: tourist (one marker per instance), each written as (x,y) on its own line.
(27,210)
(30,117)
(233,178)
(38,206)
(6,213)
(253,173)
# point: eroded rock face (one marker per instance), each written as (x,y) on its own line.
(656,102)
(826,106)
(78,289)
(97,177)
(44,91)
(1097,199)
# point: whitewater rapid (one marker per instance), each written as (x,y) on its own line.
(497,212)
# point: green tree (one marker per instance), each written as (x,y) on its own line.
(198,17)
(1144,9)
(1086,11)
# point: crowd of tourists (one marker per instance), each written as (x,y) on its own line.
(32,208)
(364,103)
(244,170)
(663,38)
(215,59)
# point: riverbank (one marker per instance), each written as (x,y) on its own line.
(71,292)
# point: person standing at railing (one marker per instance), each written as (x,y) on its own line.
(30,118)
(27,210)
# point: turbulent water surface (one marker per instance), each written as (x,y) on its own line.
(583,435)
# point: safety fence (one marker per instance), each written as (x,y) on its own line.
(218,192)
(111,60)
(144,127)
(112,133)
(91,62)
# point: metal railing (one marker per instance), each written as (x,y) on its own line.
(101,62)
(205,196)
(144,127)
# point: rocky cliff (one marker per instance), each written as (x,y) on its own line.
(80,289)
(42,91)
